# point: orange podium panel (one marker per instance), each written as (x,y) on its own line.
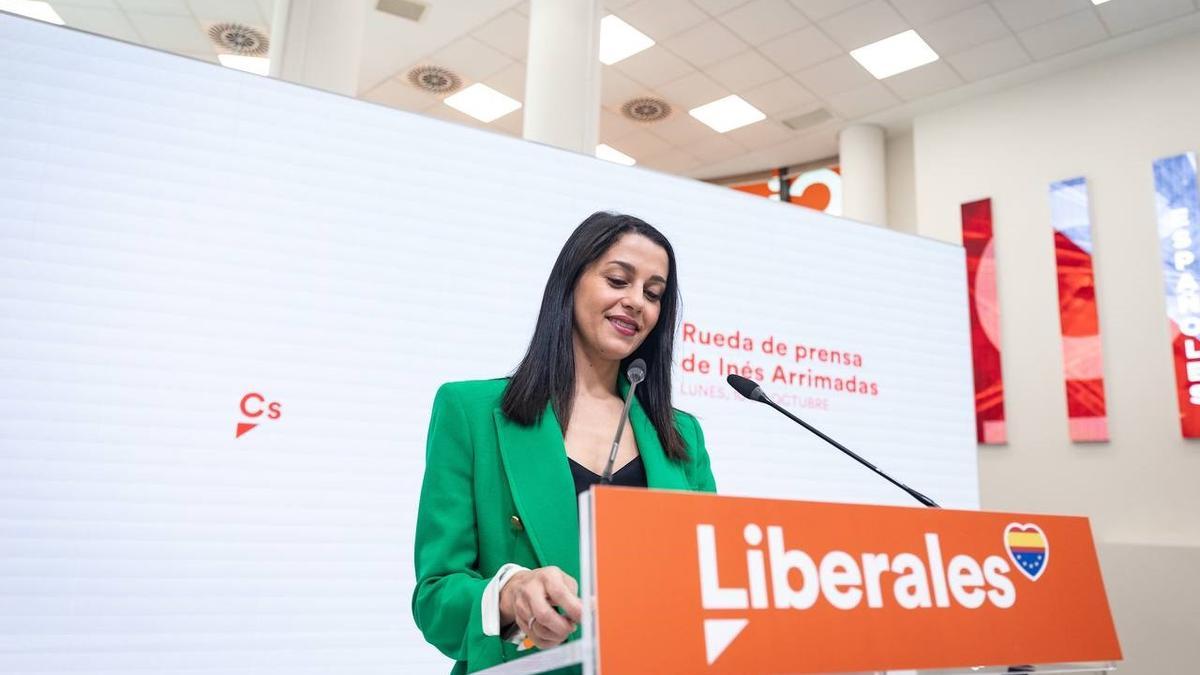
(696,583)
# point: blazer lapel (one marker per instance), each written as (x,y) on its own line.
(661,472)
(535,461)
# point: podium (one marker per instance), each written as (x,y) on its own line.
(682,582)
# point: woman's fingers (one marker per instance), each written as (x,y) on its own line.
(549,622)
(534,598)
(561,590)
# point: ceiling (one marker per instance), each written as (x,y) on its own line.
(786,57)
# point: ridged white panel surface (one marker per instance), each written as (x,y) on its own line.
(174,235)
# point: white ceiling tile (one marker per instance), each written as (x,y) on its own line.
(819,9)
(921,12)
(172,33)
(396,92)
(169,7)
(716,148)
(764,134)
(671,161)
(616,88)
(110,22)
(862,101)
(220,11)
(969,28)
(801,49)
(660,19)
(470,58)
(209,58)
(680,129)
(508,33)
(98,4)
(641,143)
(716,7)
(989,59)
(833,76)
(778,95)
(864,24)
(1122,17)
(692,90)
(809,108)
(510,81)
(706,44)
(919,82)
(445,112)
(512,124)
(653,66)
(1063,34)
(614,125)
(760,20)
(744,71)
(1022,14)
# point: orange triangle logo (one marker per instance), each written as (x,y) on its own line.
(243,427)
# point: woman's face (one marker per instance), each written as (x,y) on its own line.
(618,298)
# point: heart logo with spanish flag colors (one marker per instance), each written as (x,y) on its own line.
(1028,547)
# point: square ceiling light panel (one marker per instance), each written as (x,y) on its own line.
(482,102)
(611,154)
(619,40)
(251,64)
(42,11)
(727,114)
(893,55)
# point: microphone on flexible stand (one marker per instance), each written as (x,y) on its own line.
(752,391)
(636,372)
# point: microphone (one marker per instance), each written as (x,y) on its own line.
(752,391)
(636,372)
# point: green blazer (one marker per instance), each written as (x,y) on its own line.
(496,492)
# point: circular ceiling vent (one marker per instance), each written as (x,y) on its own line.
(434,79)
(240,39)
(646,109)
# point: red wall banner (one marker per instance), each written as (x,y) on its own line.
(1083,362)
(985,321)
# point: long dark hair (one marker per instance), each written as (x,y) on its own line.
(547,373)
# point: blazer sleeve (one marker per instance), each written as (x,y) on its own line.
(700,476)
(446,603)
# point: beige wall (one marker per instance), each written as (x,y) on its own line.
(1107,121)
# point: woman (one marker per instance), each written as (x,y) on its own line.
(497,542)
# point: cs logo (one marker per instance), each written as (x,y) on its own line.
(254,406)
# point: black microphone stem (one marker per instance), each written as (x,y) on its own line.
(606,478)
(915,495)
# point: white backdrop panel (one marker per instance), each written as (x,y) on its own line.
(175,235)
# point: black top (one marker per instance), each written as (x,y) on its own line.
(632,474)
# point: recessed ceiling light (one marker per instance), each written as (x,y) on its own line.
(619,40)
(614,155)
(1099,2)
(901,52)
(42,11)
(482,102)
(251,64)
(727,114)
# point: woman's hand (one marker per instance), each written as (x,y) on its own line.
(529,599)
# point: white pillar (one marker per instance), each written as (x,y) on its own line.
(863,158)
(562,78)
(318,43)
